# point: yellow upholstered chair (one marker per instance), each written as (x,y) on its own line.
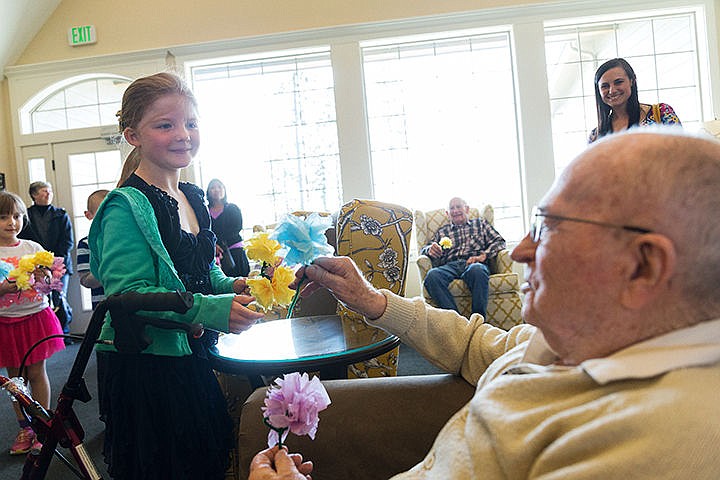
(504,301)
(376,235)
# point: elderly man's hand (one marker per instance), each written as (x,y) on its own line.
(476,259)
(341,276)
(278,464)
(435,250)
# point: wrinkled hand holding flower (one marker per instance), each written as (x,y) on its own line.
(293,404)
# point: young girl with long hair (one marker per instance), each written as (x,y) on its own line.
(166,417)
(25,318)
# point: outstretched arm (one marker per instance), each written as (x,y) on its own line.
(341,276)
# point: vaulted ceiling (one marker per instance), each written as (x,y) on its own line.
(20,21)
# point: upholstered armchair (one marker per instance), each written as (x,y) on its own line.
(504,301)
(374,428)
(376,236)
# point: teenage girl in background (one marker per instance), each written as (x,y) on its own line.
(25,318)
(166,415)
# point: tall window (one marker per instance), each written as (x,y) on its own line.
(81,103)
(269,133)
(662,49)
(442,124)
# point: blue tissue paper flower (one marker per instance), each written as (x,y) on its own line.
(5,268)
(304,238)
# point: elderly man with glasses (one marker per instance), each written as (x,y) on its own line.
(616,373)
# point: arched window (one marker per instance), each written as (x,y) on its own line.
(77,102)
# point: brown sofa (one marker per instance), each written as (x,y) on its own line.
(374,428)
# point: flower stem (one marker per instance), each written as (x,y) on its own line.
(296,296)
(278,430)
(263,270)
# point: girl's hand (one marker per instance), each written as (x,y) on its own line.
(42,274)
(8,287)
(241,317)
(240,286)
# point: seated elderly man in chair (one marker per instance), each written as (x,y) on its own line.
(617,372)
(461,249)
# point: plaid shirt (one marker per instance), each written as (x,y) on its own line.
(472,238)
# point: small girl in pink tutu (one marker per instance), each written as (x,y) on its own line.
(25,318)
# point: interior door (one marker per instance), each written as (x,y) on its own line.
(80,168)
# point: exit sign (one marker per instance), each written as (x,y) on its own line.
(83,35)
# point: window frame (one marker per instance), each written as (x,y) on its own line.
(30,107)
(526,21)
(584,24)
(430,48)
(265,63)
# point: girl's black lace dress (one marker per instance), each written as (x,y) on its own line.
(166,416)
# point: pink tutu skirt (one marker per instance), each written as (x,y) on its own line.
(17,335)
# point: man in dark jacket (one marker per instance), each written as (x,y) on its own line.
(50,227)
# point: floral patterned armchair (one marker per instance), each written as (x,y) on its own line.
(504,301)
(376,235)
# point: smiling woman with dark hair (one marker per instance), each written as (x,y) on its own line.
(618,107)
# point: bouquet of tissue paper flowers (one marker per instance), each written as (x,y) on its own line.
(303,240)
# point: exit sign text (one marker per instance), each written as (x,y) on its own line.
(83,35)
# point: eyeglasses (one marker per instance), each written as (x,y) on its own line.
(537,224)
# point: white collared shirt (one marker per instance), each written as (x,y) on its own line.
(687,347)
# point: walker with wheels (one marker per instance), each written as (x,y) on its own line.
(61,427)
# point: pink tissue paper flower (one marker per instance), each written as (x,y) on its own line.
(57,271)
(292,404)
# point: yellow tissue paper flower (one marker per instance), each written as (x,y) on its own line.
(44,258)
(22,279)
(283,277)
(445,243)
(262,248)
(26,263)
(262,290)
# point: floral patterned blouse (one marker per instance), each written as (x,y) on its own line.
(667,116)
